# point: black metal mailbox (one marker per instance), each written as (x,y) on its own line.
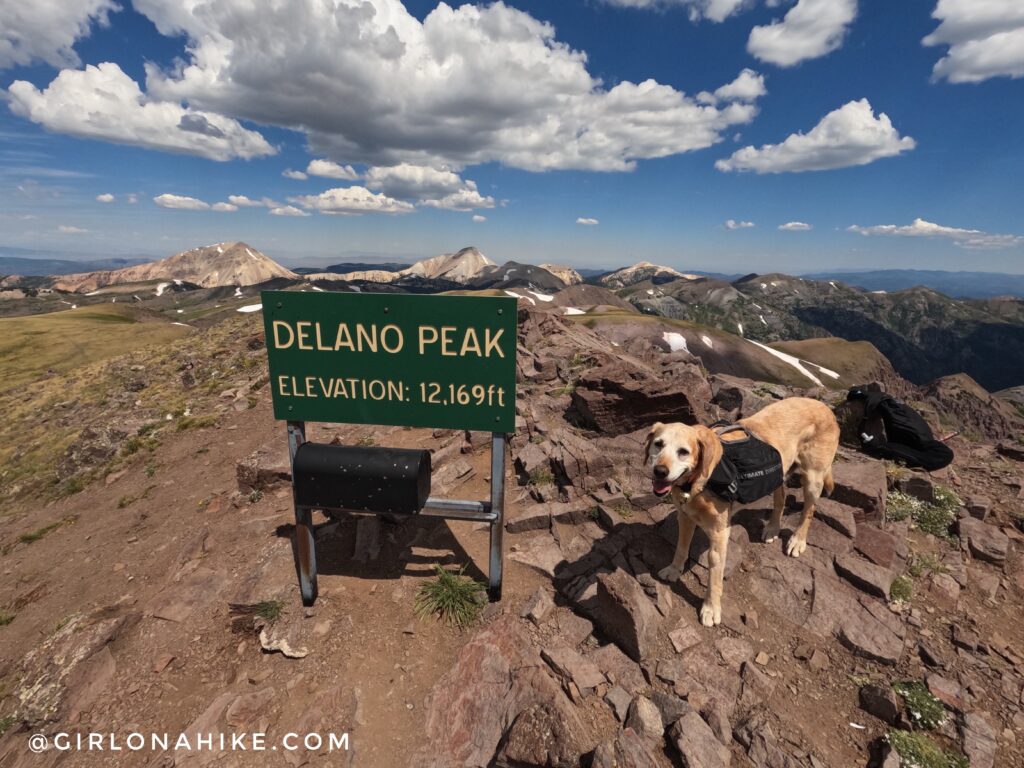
(361,479)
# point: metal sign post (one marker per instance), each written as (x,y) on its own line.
(405,360)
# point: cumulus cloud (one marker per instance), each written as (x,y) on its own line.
(297,175)
(46,30)
(106,197)
(974,239)
(733,224)
(181,202)
(224,207)
(412,90)
(244,202)
(811,29)
(848,136)
(132,198)
(432,187)
(479,219)
(715,10)
(331,170)
(795,226)
(587,221)
(288,210)
(748,86)
(102,102)
(985,39)
(352,201)
(66,229)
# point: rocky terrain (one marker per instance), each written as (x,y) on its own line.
(147,529)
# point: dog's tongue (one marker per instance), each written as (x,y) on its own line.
(661,487)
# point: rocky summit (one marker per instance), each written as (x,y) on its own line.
(149,581)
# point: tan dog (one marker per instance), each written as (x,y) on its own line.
(803,431)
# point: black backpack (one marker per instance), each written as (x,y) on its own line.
(749,470)
(907,438)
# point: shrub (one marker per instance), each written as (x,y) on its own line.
(452,597)
(917,750)
(925,710)
(930,518)
(901,590)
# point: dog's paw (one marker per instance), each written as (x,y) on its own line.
(669,573)
(771,533)
(796,546)
(710,615)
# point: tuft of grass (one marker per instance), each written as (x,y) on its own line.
(542,476)
(269,610)
(917,750)
(623,510)
(902,589)
(452,597)
(6,618)
(925,711)
(366,441)
(34,536)
(6,723)
(930,518)
(896,471)
(925,563)
(255,496)
(196,422)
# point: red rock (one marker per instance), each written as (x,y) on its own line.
(862,485)
(627,615)
(697,744)
(876,545)
(865,575)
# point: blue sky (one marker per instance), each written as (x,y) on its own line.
(589,132)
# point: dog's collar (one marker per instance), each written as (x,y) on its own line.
(682,493)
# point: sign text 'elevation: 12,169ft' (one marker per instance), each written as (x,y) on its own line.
(401,359)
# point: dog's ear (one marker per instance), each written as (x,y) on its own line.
(650,436)
(710,454)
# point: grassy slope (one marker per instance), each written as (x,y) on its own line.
(61,341)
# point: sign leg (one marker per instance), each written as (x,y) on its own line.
(305,546)
(305,549)
(497,552)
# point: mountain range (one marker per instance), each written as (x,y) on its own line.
(924,333)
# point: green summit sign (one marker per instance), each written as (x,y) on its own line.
(398,359)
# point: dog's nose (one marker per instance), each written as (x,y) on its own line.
(660,471)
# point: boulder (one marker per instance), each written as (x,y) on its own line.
(984,541)
(880,701)
(838,516)
(499,688)
(645,718)
(570,666)
(865,575)
(264,469)
(862,485)
(620,396)
(628,748)
(876,545)
(918,486)
(979,740)
(697,744)
(627,615)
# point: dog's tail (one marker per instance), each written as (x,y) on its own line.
(829,484)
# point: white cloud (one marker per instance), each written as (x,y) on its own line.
(244,202)
(351,201)
(66,229)
(46,30)
(587,221)
(733,224)
(287,210)
(748,86)
(848,136)
(330,170)
(985,39)
(297,175)
(795,226)
(412,90)
(479,219)
(102,102)
(106,197)
(433,187)
(715,10)
(974,239)
(811,28)
(224,207)
(132,198)
(180,202)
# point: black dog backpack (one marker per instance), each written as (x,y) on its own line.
(750,469)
